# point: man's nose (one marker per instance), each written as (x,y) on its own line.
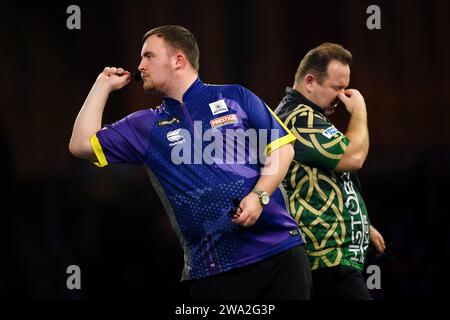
(141,66)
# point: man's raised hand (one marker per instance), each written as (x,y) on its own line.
(114,78)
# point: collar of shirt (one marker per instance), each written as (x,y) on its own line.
(189,94)
(302,99)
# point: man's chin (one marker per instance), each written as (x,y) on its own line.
(330,110)
(153,91)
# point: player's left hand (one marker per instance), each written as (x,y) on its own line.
(251,210)
(376,239)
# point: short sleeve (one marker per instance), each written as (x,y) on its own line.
(125,141)
(261,117)
(318,142)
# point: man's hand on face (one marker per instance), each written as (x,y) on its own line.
(352,99)
(114,78)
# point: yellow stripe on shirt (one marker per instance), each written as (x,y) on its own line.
(98,150)
(280,141)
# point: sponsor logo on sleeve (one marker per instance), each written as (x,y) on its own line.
(218,107)
(224,120)
(330,132)
(162,123)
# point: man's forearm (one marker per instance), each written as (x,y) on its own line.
(277,165)
(358,134)
(89,119)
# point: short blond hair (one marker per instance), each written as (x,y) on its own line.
(178,38)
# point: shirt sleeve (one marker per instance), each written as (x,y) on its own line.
(260,116)
(318,142)
(124,141)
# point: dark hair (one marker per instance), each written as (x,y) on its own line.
(316,61)
(178,38)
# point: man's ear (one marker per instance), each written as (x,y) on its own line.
(309,80)
(180,60)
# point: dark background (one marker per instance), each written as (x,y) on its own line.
(57,210)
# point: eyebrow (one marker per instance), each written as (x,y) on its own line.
(340,85)
(146,53)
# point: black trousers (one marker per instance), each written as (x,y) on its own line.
(339,283)
(285,276)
